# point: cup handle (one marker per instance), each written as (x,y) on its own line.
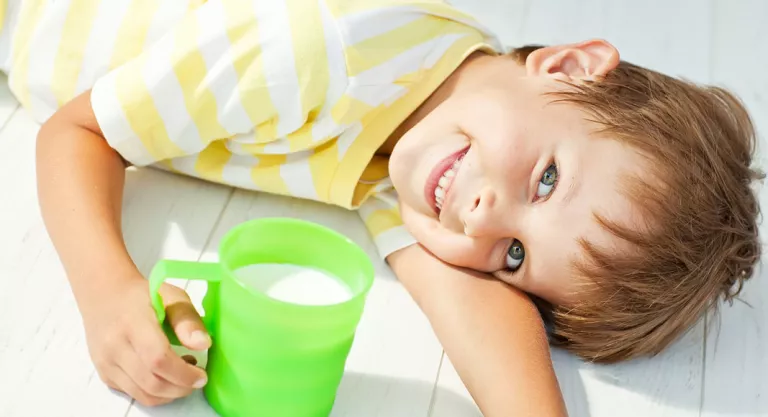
(201,271)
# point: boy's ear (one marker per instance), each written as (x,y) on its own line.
(578,61)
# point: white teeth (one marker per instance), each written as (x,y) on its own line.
(444,181)
(439,196)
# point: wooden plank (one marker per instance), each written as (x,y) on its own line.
(395,358)
(44,364)
(735,381)
(668,385)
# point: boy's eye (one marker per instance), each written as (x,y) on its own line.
(547,182)
(515,255)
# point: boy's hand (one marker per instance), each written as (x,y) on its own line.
(129,348)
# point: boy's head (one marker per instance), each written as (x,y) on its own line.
(618,195)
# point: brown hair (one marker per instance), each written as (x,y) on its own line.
(701,242)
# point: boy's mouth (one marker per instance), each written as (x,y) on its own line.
(441,178)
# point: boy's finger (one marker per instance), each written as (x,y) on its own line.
(149,382)
(153,349)
(184,319)
(188,326)
(120,381)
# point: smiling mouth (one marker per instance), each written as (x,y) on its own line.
(440,180)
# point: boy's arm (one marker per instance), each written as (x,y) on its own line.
(491,331)
(80,184)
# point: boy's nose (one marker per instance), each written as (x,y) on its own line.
(481,218)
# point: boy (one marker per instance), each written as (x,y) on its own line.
(618,196)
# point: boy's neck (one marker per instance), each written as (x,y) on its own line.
(459,81)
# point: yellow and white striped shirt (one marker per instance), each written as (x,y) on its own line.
(292,97)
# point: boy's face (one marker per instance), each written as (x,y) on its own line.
(499,179)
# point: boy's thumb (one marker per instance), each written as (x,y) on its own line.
(188,326)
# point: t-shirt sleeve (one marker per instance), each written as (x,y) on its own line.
(204,80)
(381,214)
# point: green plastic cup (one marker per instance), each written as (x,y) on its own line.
(273,358)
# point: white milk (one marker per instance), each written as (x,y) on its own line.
(295,284)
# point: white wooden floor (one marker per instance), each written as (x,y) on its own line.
(397,367)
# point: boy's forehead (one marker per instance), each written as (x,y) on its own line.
(607,166)
(606,157)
